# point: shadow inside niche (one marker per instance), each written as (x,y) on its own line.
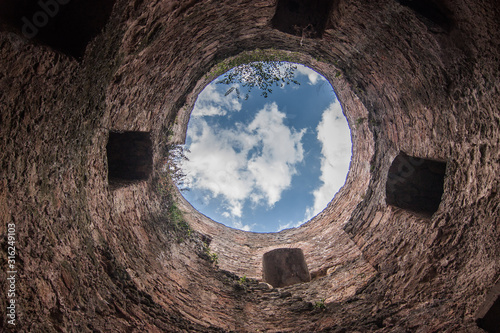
(284,267)
(432,13)
(64,25)
(130,158)
(415,184)
(488,315)
(303,18)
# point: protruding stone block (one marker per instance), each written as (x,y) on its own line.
(284,267)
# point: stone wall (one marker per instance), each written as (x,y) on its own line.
(415,78)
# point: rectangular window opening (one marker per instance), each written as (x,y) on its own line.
(284,267)
(130,158)
(64,25)
(303,18)
(415,184)
(488,315)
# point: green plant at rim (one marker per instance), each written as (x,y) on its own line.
(169,175)
(263,69)
(320,304)
(243,279)
(212,256)
(360,121)
(176,217)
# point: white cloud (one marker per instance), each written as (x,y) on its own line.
(281,150)
(290,225)
(254,162)
(313,77)
(210,102)
(215,166)
(335,138)
(241,226)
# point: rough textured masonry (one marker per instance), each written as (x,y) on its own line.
(416,79)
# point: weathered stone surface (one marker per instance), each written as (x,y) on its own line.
(418,77)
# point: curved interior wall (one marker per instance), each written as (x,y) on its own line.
(416,79)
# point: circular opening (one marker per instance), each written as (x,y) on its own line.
(267,147)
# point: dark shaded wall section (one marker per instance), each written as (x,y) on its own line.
(64,25)
(303,18)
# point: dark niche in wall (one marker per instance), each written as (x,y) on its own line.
(130,157)
(284,267)
(64,25)
(431,12)
(415,184)
(304,18)
(488,315)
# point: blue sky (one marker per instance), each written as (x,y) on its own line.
(266,164)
